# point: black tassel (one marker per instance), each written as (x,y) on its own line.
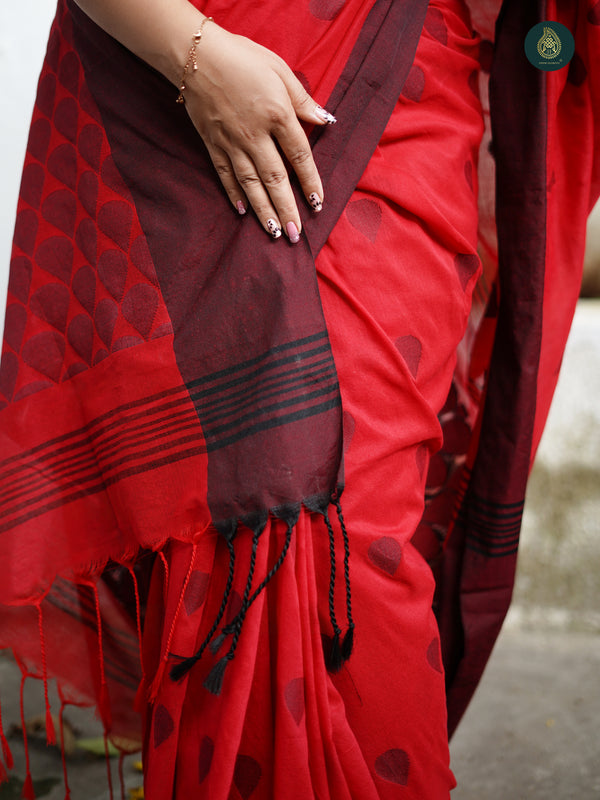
(217,642)
(230,628)
(180,670)
(348,643)
(335,654)
(334,662)
(214,680)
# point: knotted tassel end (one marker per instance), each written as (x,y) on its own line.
(335,660)
(348,643)
(180,670)
(50,730)
(214,680)
(215,645)
(28,792)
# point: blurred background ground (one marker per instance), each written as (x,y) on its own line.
(532,730)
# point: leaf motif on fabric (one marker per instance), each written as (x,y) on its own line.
(386,553)
(577,71)
(51,303)
(349,426)
(15,322)
(433,655)
(195,594)
(112,271)
(84,288)
(105,318)
(414,85)
(393,766)
(19,281)
(66,118)
(90,144)
(45,352)
(114,219)
(163,725)
(594,14)
(246,775)
(466,265)
(410,349)
(39,139)
(62,163)
(26,228)
(60,210)
(205,756)
(9,369)
(326,9)
(435,25)
(139,308)
(123,342)
(142,260)
(365,216)
(69,72)
(32,184)
(421,458)
(294,699)
(86,239)
(80,335)
(46,93)
(87,191)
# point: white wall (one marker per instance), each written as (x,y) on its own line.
(24,27)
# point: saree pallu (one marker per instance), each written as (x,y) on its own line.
(114,352)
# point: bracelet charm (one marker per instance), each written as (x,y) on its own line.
(191,58)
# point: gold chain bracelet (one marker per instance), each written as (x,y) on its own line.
(191,58)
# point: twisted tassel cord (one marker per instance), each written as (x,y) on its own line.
(348,642)
(334,662)
(214,681)
(231,626)
(180,670)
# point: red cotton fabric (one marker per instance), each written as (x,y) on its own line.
(283,727)
(186,404)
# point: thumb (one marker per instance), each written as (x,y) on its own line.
(305,107)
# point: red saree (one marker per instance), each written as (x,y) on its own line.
(172,430)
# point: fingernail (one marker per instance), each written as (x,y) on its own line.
(273,228)
(240,207)
(315,201)
(292,232)
(325,115)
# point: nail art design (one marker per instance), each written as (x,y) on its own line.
(325,115)
(315,201)
(240,207)
(273,228)
(292,232)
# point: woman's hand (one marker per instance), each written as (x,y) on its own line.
(245,102)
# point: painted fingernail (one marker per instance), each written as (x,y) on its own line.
(273,228)
(315,201)
(292,232)
(325,115)
(240,207)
